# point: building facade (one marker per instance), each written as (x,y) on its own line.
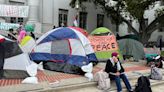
(59,13)
(44,14)
(47,13)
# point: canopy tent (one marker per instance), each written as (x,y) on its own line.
(63,49)
(13,66)
(132,48)
(101,31)
(84,32)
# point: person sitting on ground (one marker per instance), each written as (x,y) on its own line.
(116,72)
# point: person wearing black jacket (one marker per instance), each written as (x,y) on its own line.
(116,72)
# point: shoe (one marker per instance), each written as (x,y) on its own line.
(131,91)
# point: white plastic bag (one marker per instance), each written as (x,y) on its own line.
(32,69)
(89,76)
(31,80)
(162,64)
(87,68)
(40,66)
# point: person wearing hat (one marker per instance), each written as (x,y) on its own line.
(116,72)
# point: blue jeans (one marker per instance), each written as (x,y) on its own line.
(125,80)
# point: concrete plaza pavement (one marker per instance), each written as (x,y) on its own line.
(50,81)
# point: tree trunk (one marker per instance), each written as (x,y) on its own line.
(143,34)
(144,37)
(117,27)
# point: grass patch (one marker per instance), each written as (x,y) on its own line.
(162,53)
(107,54)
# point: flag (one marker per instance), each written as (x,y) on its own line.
(75,22)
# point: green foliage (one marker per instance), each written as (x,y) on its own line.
(162,53)
(134,9)
(159,12)
(73,2)
(112,11)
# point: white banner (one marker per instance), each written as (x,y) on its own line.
(7,26)
(14,11)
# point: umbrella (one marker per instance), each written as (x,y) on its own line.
(29,27)
(132,47)
(101,31)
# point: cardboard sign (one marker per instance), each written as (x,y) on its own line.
(103,43)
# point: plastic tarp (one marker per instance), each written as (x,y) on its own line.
(15,62)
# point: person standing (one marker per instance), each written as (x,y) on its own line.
(116,72)
(11,34)
(159,42)
(54,27)
(32,35)
(21,35)
(160,45)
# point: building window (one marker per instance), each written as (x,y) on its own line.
(20,20)
(83,20)
(100,20)
(63,14)
(13,20)
(16,20)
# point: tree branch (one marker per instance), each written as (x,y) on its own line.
(129,25)
(154,24)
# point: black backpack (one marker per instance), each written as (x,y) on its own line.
(143,85)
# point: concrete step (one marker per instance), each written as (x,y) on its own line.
(80,87)
(78,84)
